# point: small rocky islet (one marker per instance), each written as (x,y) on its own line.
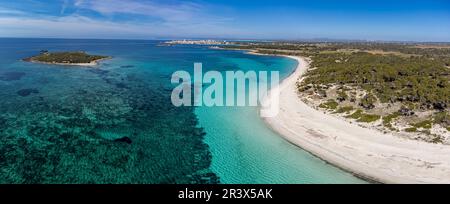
(66,58)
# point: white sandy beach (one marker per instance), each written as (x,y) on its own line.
(365,152)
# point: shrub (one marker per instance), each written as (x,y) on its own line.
(412,129)
(345,109)
(442,118)
(387,120)
(368,101)
(427,124)
(356,114)
(367,118)
(331,105)
(342,96)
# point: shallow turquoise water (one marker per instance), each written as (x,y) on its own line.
(245,150)
(62,124)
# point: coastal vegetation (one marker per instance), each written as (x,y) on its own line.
(345,109)
(331,104)
(405,87)
(66,58)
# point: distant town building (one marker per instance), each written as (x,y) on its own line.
(198,42)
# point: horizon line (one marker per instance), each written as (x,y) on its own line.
(310,40)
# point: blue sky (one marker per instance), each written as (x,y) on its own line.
(413,20)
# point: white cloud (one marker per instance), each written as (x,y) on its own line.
(174,19)
(6,11)
(166,11)
(64,6)
(82,27)
(78,2)
(73,26)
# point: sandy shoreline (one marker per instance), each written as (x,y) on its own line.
(365,152)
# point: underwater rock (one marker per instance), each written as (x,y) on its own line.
(43,80)
(127,66)
(108,80)
(27,92)
(2,122)
(99,71)
(12,76)
(121,86)
(124,140)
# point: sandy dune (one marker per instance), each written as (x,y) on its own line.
(366,152)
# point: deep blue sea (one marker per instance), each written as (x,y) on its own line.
(67,124)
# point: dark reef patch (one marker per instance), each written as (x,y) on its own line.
(121,86)
(99,71)
(127,66)
(43,80)
(56,140)
(27,92)
(124,140)
(109,80)
(2,122)
(12,76)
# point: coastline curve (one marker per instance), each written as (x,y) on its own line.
(367,153)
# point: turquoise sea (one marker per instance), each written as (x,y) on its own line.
(115,123)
